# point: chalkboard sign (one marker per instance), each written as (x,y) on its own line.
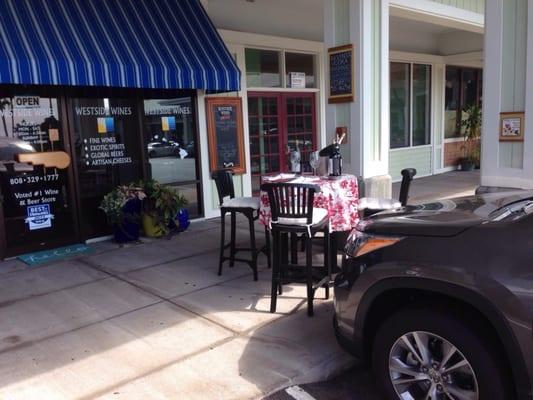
(341,77)
(225,132)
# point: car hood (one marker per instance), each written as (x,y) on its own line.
(447,217)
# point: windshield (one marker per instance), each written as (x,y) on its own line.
(512,211)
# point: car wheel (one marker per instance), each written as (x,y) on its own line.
(152,154)
(427,354)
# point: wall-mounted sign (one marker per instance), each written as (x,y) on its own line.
(297,80)
(225,133)
(341,74)
(511,127)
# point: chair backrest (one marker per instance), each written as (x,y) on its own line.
(224,181)
(407,176)
(291,200)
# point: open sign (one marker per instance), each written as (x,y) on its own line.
(26,101)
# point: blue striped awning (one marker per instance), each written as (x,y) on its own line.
(165,44)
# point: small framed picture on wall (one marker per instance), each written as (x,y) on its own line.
(511,127)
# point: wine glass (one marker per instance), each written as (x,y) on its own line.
(314,160)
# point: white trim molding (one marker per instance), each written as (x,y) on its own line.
(440,14)
(473,59)
(273,42)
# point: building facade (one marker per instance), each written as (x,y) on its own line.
(94,95)
(418,64)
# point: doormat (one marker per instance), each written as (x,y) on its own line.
(45,256)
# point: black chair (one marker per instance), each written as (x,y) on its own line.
(293,213)
(247,206)
(372,205)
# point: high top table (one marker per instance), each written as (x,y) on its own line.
(338,195)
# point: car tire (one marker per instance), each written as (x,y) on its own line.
(439,329)
(152,154)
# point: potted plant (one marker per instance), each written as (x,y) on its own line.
(160,207)
(471,123)
(122,207)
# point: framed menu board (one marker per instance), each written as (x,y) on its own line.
(341,76)
(225,133)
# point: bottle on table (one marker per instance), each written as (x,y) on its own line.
(335,159)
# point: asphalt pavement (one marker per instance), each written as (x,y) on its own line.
(354,384)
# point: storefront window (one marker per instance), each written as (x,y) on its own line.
(463,89)
(399,105)
(300,70)
(262,68)
(421,104)
(34,166)
(107,147)
(171,146)
(410,105)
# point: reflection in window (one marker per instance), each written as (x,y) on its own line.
(399,105)
(262,68)
(410,105)
(171,146)
(31,119)
(463,89)
(421,104)
(298,63)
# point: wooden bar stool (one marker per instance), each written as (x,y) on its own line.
(292,210)
(247,206)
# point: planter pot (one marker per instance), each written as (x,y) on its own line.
(126,232)
(182,219)
(151,229)
(129,229)
(467,165)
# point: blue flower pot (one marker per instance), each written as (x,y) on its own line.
(182,219)
(129,229)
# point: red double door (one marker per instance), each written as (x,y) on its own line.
(278,122)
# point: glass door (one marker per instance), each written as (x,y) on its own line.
(266,149)
(278,122)
(171,147)
(35,175)
(107,150)
(299,114)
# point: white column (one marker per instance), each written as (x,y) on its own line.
(528,137)
(491,91)
(506,79)
(367,116)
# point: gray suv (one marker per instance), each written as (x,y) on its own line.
(439,298)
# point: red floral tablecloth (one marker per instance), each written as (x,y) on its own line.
(338,195)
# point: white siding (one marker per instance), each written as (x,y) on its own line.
(511,155)
(477,6)
(416,157)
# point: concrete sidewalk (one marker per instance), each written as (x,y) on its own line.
(155,321)
(442,186)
